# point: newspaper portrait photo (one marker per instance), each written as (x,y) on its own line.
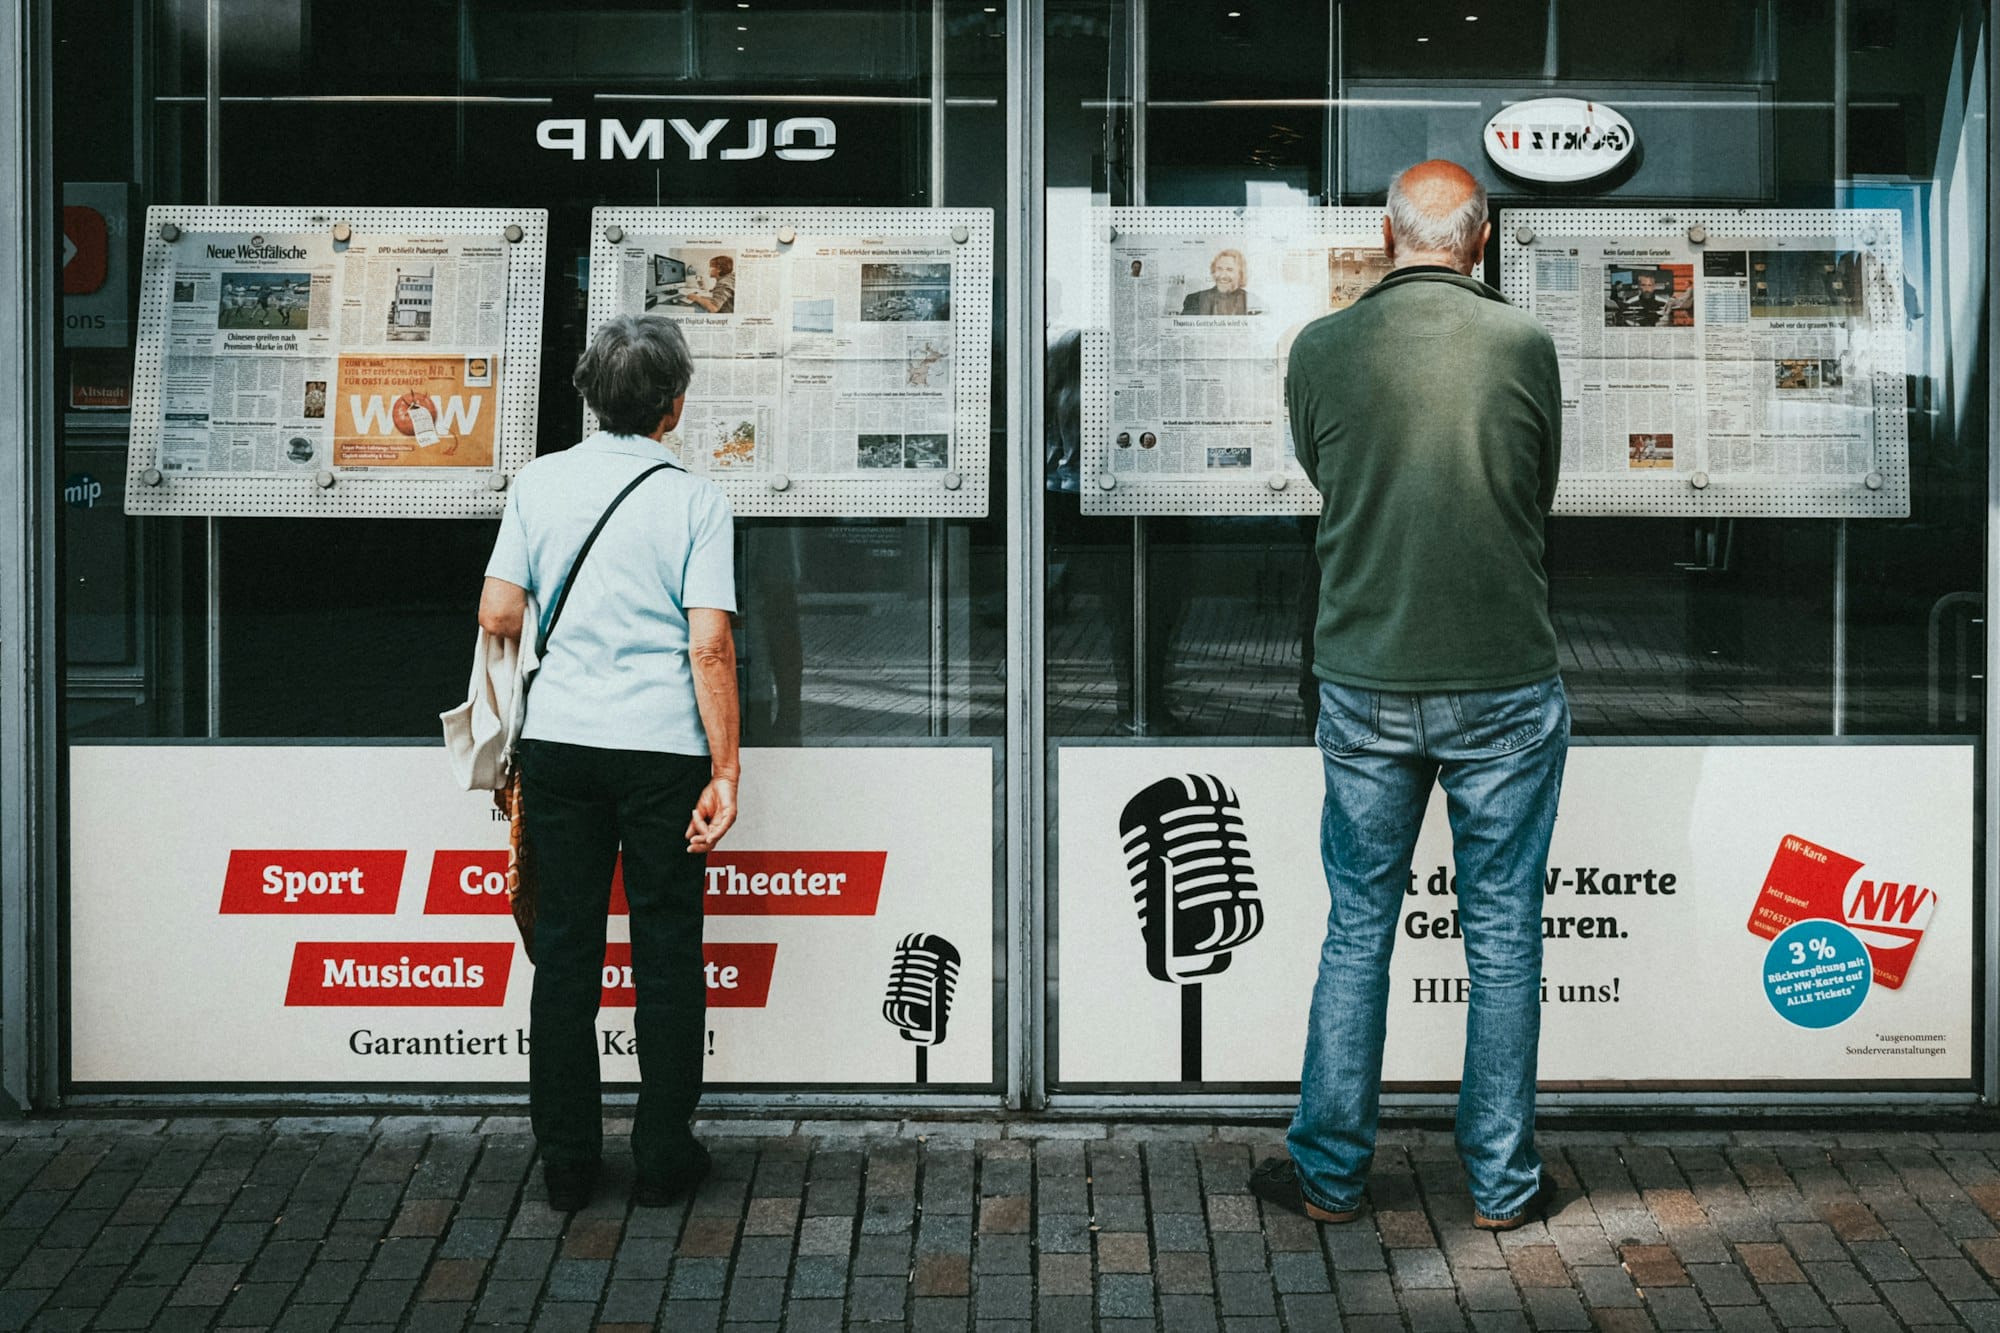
(1200,326)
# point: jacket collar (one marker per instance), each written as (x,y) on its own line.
(1434,273)
(631,446)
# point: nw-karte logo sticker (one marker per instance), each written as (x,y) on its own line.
(1808,882)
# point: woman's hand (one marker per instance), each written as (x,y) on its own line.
(713,815)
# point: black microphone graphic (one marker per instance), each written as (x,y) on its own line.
(919,998)
(1196,891)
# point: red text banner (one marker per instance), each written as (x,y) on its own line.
(474,883)
(420,974)
(793,883)
(738,975)
(313,882)
(468,884)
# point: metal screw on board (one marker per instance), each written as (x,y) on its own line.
(496,481)
(1106,482)
(614,234)
(169,232)
(952,481)
(513,233)
(787,235)
(960,235)
(1278,481)
(342,233)
(151,477)
(781,482)
(323,480)
(1873,481)
(1697,234)
(1524,235)
(1699,481)
(1111,233)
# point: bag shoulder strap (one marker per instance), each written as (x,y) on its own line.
(569,582)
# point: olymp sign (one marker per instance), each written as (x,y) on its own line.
(798,139)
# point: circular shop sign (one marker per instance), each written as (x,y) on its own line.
(1559,140)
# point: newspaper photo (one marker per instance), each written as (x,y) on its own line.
(259,372)
(1749,358)
(1200,329)
(828,357)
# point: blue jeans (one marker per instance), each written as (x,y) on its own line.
(1499,754)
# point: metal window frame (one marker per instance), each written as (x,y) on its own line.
(29,904)
(1989,825)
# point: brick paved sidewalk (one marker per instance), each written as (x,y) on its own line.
(428,1223)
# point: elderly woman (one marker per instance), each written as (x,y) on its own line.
(630,741)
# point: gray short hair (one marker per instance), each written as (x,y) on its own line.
(632,371)
(1416,227)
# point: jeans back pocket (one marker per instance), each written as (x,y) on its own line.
(1501,721)
(1349,719)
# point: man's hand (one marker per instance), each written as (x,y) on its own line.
(713,815)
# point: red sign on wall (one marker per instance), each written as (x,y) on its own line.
(418,973)
(738,975)
(312,882)
(474,883)
(86,250)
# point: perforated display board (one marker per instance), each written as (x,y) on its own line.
(1193,312)
(842,355)
(1722,361)
(335,362)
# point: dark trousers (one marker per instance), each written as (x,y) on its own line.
(582,805)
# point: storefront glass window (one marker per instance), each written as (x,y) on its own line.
(1719,662)
(852,628)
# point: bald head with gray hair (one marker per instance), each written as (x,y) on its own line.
(1437,215)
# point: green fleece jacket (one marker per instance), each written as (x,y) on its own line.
(1429,415)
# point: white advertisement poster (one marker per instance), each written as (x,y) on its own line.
(291,353)
(829,357)
(1714,915)
(338,915)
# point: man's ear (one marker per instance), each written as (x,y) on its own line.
(1475,254)
(1388,240)
(673,416)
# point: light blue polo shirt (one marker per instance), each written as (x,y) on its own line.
(617,673)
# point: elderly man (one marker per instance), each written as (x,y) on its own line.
(1428,414)
(1228,271)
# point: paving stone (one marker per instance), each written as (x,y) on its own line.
(1796,1305)
(1654,1266)
(1723,1284)
(1551,1308)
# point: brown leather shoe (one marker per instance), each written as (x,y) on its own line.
(1534,1210)
(1276,1181)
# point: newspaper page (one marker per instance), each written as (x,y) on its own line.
(293,354)
(1201,328)
(829,357)
(1745,359)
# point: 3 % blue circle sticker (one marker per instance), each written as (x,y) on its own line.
(1816,974)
